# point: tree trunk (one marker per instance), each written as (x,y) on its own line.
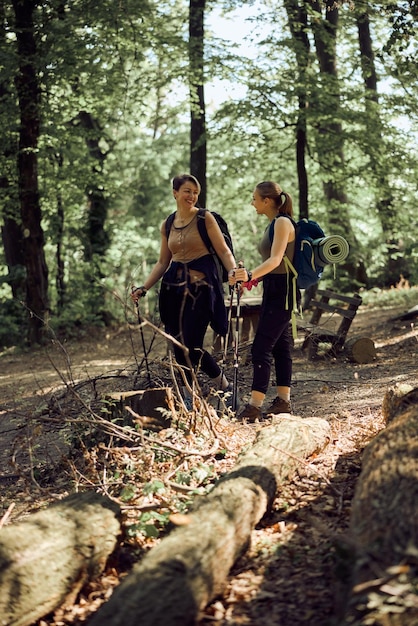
(330,135)
(97,237)
(152,408)
(298,21)
(33,236)
(375,146)
(383,525)
(12,237)
(179,577)
(197,97)
(11,231)
(47,558)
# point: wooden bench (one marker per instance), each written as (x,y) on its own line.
(250,307)
(332,329)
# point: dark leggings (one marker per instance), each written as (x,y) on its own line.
(272,340)
(188,324)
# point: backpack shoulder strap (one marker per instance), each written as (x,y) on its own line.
(271,227)
(288,264)
(168,223)
(201,226)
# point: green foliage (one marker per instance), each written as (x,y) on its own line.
(396,297)
(150,525)
(156,486)
(115,119)
(12,324)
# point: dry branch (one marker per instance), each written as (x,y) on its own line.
(179,577)
(46,559)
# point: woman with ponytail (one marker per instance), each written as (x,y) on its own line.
(272,339)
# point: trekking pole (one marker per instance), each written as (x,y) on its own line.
(236,344)
(226,341)
(231,301)
(138,313)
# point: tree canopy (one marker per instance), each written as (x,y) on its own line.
(102,103)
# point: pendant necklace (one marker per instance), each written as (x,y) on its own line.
(182,229)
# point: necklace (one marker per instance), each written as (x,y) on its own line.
(182,220)
(182,229)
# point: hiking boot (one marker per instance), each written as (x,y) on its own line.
(250,414)
(279,406)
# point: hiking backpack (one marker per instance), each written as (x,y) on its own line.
(305,265)
(201,225)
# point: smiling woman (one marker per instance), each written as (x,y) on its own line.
(191,295)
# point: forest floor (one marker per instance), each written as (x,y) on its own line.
(288,576)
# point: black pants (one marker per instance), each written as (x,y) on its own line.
(272,339)
(188,323)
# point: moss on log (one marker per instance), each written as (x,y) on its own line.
(46,558)
(180,576)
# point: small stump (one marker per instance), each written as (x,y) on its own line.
(153,408)
(360,349)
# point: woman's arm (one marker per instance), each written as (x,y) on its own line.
(284,233)
(159,268)
(218,242)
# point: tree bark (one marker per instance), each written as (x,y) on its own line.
(33,237)
(386,205)
(330,135)
(198,150)
(46,559)
(179,577)
(298,22)
(383,525)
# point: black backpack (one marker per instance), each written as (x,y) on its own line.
(201,225)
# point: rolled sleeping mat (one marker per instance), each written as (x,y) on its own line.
(332,249)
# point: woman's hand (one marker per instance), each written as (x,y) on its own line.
(138,292)
(237,275)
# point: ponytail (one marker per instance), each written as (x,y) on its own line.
(282,200)
(286,205)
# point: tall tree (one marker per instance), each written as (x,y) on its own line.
(97,237)
(374,145)
(28,92)
(298,22)
(330,135)
(11,231)
(198,146)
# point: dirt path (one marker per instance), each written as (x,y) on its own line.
(33,374)
(288,575)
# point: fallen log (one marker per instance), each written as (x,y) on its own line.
(180,576)
(48,557)
(411,314)
(383,536)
